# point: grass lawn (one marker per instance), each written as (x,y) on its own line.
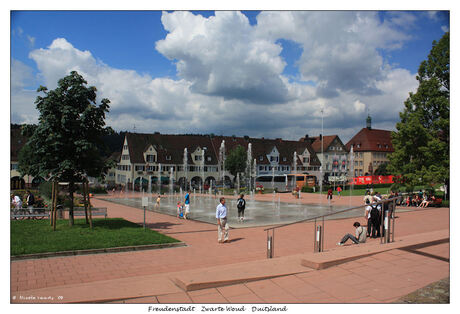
(37,236)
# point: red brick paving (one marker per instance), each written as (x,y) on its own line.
(397,268)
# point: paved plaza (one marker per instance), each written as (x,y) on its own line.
(154,276)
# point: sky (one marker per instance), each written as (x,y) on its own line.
(273,74)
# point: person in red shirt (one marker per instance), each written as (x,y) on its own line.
(339,189)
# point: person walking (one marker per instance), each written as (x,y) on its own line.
(241,205)
(222,225)
(329,194)
(187,204)
(157,205)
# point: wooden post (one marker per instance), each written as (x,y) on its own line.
(56,192)
(89,207)
(85,200)
(52,204)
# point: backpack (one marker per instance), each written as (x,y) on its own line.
(374,212)
(240,203)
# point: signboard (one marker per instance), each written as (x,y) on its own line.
(364,180)
(145,201)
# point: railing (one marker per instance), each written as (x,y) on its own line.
(387,224)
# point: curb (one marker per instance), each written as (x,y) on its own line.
(98,251)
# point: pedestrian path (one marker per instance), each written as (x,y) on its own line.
(148,276)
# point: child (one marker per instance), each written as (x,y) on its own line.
(180,212)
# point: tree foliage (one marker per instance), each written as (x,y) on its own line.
(382,170)
(236,160)
(66,144)
(421,141)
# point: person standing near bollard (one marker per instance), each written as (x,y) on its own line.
(187,204)
(241,205)
(222,225)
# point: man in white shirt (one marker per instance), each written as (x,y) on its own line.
(222,226)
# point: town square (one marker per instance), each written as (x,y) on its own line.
(231,161)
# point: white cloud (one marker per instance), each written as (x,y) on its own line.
(228,68)
(222,56)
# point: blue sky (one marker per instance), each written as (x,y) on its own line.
(256,73)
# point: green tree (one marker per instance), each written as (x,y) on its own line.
(66,144)
(236,160)
(421,141)
(382,170)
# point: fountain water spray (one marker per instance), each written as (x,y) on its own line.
(185,165)
(254,175)
(222,163)
(159,179)
(202,172)
(352,166)
(249,166)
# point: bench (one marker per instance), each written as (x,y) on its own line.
(39,213)
(95,211)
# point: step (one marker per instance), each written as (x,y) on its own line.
(239,273)
(352,252)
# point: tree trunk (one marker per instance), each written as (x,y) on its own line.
(89,207)
(52,204)
(71,190)
(85,200)
(56,193)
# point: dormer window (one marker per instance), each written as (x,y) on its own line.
(284,159)
(261,158)
(358,145)
(168,157)
(150,158)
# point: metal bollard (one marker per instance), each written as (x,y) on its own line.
(318,239)
(269,246)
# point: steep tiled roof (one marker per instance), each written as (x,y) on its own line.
(316,142)
(371,140)
(173,145)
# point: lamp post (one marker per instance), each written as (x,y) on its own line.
(322,157)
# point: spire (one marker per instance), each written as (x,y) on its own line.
(368,121)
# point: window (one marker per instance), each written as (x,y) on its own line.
(168,157)
(209,158)
(124,157)
(197,157)
(125,147)
(306,159)
(139,168)
(284,159)
(150,158)
(358,145)
(261,158)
